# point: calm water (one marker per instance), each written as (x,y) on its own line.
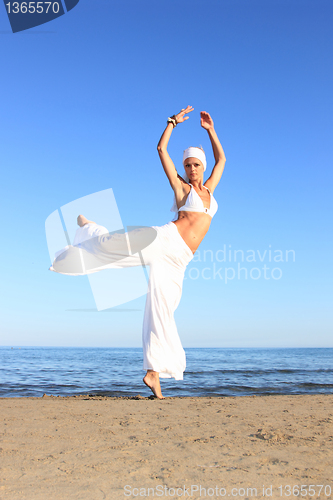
(33,371)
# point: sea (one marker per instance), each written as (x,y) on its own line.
(118,372)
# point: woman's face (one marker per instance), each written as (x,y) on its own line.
(194,168)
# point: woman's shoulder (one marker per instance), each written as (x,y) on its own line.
(209,185)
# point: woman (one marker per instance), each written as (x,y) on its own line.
(166,249)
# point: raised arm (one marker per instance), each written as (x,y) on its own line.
(208,124)
(168,165)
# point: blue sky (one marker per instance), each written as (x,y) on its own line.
(85,99)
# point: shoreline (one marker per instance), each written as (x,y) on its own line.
(152,397)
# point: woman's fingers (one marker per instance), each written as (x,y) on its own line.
(205,117)
(186,110)
(206,120)
(181,115)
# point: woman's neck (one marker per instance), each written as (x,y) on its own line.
(198,184)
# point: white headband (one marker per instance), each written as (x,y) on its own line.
(195,153)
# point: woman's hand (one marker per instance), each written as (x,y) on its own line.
(180,117)
(206,121)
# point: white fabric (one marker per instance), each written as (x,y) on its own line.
(167,255)
(88,231)
(195,204)
(195,153)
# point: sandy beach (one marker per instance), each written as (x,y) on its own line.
(90,447)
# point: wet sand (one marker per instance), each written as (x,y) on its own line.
(110,448)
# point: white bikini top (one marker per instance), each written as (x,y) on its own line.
(195,204)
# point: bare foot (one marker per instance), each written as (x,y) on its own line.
(82,221)
(152,380)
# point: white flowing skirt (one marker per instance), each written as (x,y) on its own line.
(167,255)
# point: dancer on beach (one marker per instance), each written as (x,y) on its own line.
(166,249)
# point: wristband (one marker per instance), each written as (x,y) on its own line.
(172,120)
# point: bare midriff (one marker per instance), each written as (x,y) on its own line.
(192,227)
